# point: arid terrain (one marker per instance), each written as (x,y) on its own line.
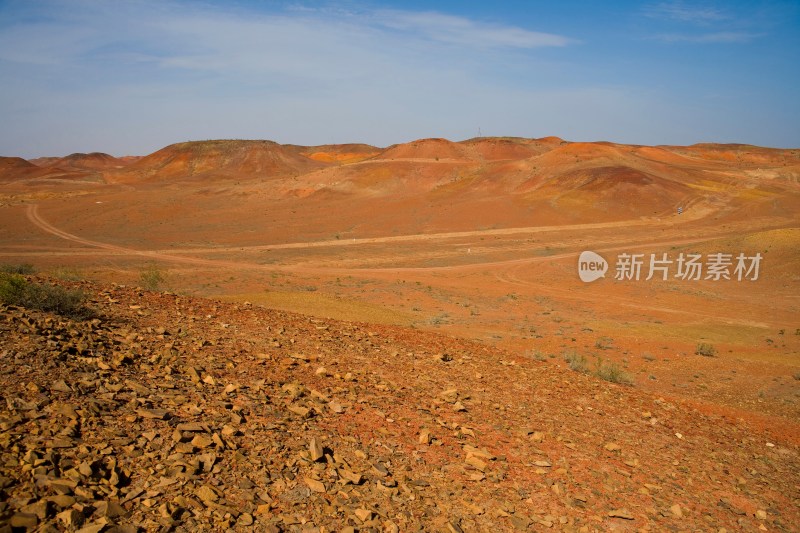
(291,338)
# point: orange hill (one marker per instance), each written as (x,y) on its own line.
(429,183)
(15,169)
(511,148)
(339,153)
(225,158)
(80,161)
(432,149)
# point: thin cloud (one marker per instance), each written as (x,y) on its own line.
(679,11)
(131,76)
(299,76)
(721,37)
(466,32)
(680,22)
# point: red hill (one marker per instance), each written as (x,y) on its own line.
(16,168)
(340,153)
(223,158)
(510,148)
(92,161)
(430,149)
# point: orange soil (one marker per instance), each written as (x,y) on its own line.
(477,239)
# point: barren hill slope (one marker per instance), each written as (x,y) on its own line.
(261,188)
(16,169)
(169,411)
(339,153)
(433,149)
(80,161)
(219,159)
(173,412)
(510,148)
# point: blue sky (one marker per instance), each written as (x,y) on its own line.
(129,77)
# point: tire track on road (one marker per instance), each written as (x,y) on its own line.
(37,220)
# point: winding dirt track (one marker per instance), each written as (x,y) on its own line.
(504,271)
(36,218)
(423,237)
(39,222)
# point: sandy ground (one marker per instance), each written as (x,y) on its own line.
(460,256)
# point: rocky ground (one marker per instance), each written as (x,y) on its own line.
(170,413)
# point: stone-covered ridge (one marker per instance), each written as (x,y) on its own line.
(169,413)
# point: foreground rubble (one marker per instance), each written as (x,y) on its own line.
(169,413)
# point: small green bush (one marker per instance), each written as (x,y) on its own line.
(25,268)
(16,290)
(536,355)
(12,288)
(67,274)
(705,349)
(151,278)
(613,373)
(576,362)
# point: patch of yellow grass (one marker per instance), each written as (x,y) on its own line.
(754,194)
(324,306)
(709,186)
(714,333)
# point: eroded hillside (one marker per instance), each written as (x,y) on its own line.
(171,412)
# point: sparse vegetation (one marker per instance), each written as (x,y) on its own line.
(536,355)
(151,278)
(15,289)
(441,318)
(25,269)
(604,343)
(66,274)
(576,361)
(705,349)
(380,401)
(610,371)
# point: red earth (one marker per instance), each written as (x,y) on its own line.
(474,240)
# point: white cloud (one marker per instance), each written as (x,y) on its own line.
(132,76)
(680,11)
(176,71)
(465,32)
(720,37)
(699,23)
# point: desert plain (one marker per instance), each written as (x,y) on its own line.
(420,305)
